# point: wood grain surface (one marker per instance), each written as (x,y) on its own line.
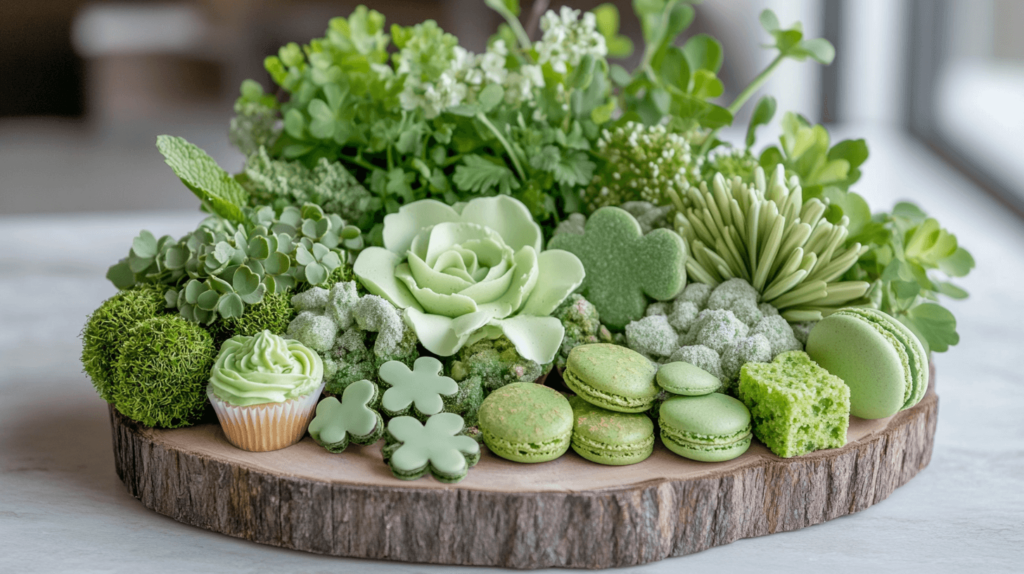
(567,513)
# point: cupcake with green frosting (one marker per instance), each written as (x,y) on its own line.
(264,389)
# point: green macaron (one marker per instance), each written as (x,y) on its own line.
(608,437)
(879,358)
(611,377)
(708,428)
(526,422)
(681,378)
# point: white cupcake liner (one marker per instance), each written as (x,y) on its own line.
(268,426)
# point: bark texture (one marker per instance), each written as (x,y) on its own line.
(638,522)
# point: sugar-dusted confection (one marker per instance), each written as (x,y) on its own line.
(700,356)
(652,336)
(752,349)
(611,377)
(337,423)
(797,406)
(624,266)
(779,334)
(422,391)
(681,378)
(716,329)
(708,428)
(526,422)
(878,357)
(608,437)
(437,447)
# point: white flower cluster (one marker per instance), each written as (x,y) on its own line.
(466,74)
(567,39)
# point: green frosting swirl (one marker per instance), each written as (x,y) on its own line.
(264,369)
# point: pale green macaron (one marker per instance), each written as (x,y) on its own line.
(608,437)
(611,377)
(526,422)
(708,428)
(681,378)
(879,358)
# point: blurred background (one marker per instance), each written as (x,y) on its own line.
(87,86)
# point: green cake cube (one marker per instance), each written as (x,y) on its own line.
(796,406)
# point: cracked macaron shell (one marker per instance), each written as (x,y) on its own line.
(526,422)
(609,437)
(612,377)
(881,361)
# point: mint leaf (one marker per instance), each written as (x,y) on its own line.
(212,185)
(936,324)
(480,175)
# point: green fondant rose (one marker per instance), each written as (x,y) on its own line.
(472,271)
(264,368)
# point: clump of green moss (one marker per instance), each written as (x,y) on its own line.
(341,274)
(107,327)
(160,375)
(272,314)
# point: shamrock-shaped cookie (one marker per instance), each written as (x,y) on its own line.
(336,423)
(435,446)
(423,390)
(624,266)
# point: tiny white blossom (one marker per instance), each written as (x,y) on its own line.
(567,39)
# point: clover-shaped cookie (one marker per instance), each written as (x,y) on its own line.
(423,391)
(624,266)
(338,422)
(436,447)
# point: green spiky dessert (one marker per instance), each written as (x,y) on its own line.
(797,406)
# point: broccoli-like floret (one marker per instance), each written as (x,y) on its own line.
(497,364)
(313,330)
(252,127)
(696,293)
(652,336)
(658,308)
(313,299)
(729,292)
(373,313)
(582,326)
(767,310)
(752,349)
(273,313)
(802,330)
(716,329)
(682,315)
(341,303)
(702,357)
(779,334)
(648,215)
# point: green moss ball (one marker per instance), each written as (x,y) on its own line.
(160,376)
(272,314)
(107,326)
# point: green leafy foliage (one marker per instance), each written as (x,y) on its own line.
(790,42)
(160,376)
(619,46)
(908,251)
(218,191)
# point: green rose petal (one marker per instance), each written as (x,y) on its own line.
(400,228)
(432,302)
(506,216)
(438,282)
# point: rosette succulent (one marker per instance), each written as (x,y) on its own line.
(471,271)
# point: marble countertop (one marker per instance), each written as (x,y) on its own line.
(63,509)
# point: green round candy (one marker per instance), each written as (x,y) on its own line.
(611,377)
(608,437)
(878,357)
(681,378)
(709,428)
(526,422)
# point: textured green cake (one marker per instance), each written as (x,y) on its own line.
(797,406)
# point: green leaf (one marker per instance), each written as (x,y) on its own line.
(319,251)
(315,274)
(245,281)
(769,21)
(211,184)
(219,285)
(937,325)
(703,52)
(478,175)
(764,111)
(259,247)
(491,96)
(193,289)
(854,207)
(950,290)
(207,301)
(607,16)
(230,306)
(819,49)
(144,246)
(706,86)
(958,264)
(295,124)
(303,256)
(511,5)
(121,275)
(675,70)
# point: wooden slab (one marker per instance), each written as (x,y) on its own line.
(568,513)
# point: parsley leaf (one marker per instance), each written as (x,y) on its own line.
(479,175)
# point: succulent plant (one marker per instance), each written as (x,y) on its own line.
(221,267)
(767,235)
